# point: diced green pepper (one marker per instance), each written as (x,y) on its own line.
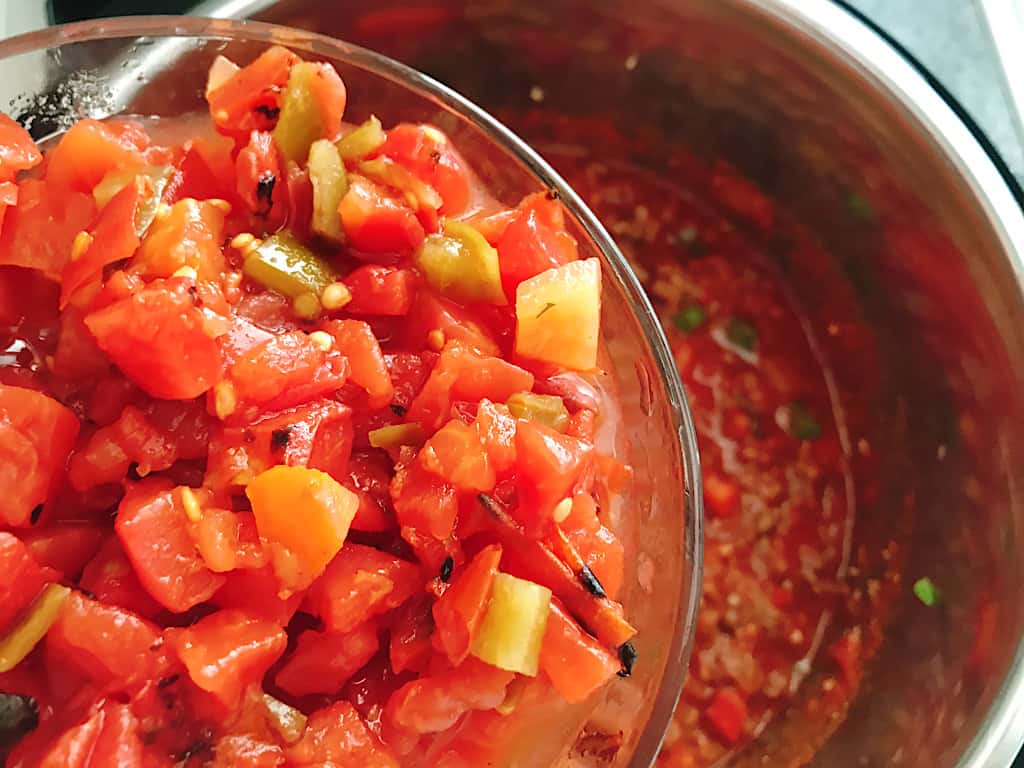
(461,264)
(512,630)
(546,409)
(397,435)
(26,634)
(367,138)
(418,193)
(690,318)
(927,592)
(330,183)
(285,265)
(288,721)
(802,424)
(299,123)
(741,334)
(115,181)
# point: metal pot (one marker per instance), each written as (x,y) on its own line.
(811,104)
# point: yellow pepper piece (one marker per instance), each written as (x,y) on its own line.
(26,634)
(512,630)
(285,265)
(397,435)
(462,265)
(286,720)
(546,409)
(330,183)
(365,139)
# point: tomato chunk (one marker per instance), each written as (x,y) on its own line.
(91,149)
(23,578)
(360,583)
(38,232)
(460,610)
(456,454)
(430,155)
(248,99)
(377,222)
(355,340)
(159,338)
(154,531)
(17,150)
(110,577)
(547,464)
(322,662)
(380,290)
(575,663)
(227,651)
(36,436)
(337,736)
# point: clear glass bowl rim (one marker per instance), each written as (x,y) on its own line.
(649,742)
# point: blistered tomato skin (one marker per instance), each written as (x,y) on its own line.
(279,490)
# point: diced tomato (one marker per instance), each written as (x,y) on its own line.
(575,663)
(248,100)
(338,737)
(64,547)
(78,357)
(601,550)
(23,578)
(189,236)
(36,436)
(431,312)
(118,742)
(91,149)
(328,93)
(246,751)
(377,222)
(206,170)
(227,540)
(721,496)
(434,703)
(17,150)
(423,501)
(460,610)
(355,340)
(38,232)
(112,238)
(547,465)
(261,180)
(255,592)
(497,431)
(303,516)
(535,241)
(227,651)
(110,577)
(727,715)
(286,370)
(380,290)
(317,435)
(322,662)
(360,583)
(154,531)
(456,454)
(106,643)
(368,477)
(8,198)
(464,374)
(410,647)
(158,337)
(429,154)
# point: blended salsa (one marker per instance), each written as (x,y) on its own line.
(297,439)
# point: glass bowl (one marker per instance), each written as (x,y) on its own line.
(156,67)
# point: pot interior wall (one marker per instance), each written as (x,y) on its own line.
(942,424)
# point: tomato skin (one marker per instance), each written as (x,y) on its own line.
(337,736)
(227,651)
(380,290)
(436,162)
(153,529)
(36,436)
(106,643)
(360,583)
(377,222)
(246,100)
(261,182)
(322,662)
(110,577)
(90,149)
(23,578)
(158,338)
(17,150)
(460,610)
(113,239)
(574,662)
